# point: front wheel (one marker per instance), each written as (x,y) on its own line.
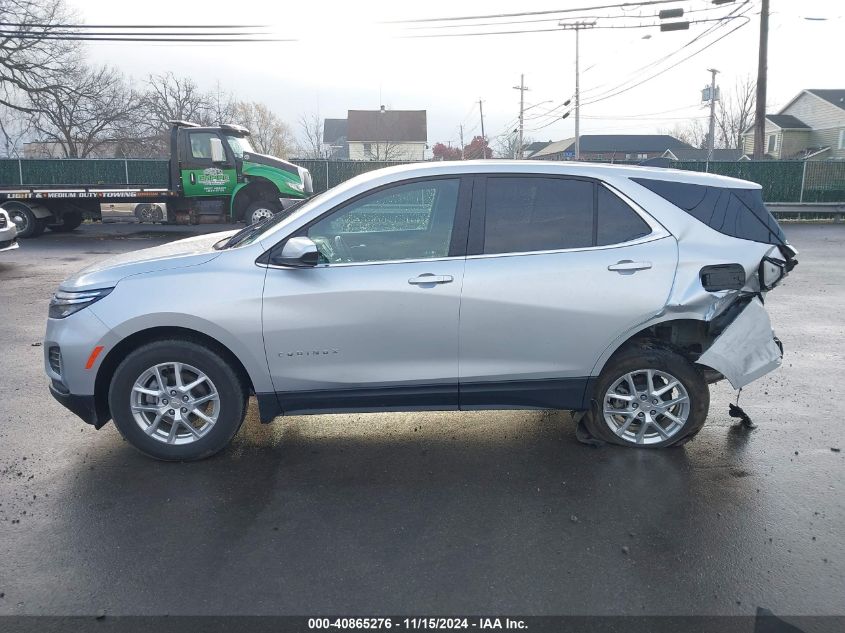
(648,397)
(177,400)
(261,210)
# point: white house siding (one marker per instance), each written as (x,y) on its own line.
(771,128)
(385,151)
(792,142)
(825,119)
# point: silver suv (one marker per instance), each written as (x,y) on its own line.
(619,292)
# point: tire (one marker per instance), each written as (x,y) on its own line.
(158,414)
(260,210)
(70,221)
(27,224)
(638,426)
(147,212)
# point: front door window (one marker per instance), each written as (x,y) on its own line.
(407,222)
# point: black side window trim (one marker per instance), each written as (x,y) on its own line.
(460,229)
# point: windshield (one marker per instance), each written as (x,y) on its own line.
(255,231)
(239,144)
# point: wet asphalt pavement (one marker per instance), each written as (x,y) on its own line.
(428,513)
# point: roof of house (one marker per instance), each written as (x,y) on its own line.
(334,131)
(701,154)
(787,122)
(622,143)
(396,126)
(836,97)
(536,145)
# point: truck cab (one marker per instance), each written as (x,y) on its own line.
(218,173)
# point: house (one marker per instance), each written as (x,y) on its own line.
(530,149)
(810,126)
(334,139)
(693,154)
(384,134)
(612,147)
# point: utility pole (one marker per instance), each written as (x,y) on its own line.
(483,136)
(462,141)
(577,26)
(521,87)
(711,139)
(760,113)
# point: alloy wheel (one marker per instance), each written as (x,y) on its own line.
(175,403)
(646,406)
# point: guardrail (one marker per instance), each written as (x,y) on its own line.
(808,210)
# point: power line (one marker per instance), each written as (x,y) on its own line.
(97,38)
(529,13)
(134,26)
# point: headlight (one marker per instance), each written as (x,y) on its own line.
(297,186)
(63,304)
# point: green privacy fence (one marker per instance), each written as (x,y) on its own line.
(782,181)
(83,171)
(328,173)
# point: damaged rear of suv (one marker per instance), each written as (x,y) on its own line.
(729,256)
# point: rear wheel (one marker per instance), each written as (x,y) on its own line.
(70,221)
(648,397)
(149,213)
(261,210)
(176,400)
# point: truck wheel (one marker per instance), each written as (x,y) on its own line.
(177,400)
(70,221)
(648,397)
(149,213)
(261,210)
(27,224)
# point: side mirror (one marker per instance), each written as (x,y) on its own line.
(301,252)
(217,153)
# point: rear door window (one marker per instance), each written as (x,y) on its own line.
(526,214)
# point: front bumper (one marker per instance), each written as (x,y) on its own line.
(83,406)
(8,244)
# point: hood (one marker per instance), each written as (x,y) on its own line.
(271,161)
(191,251)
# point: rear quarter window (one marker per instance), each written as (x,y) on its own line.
(734,212)
(617,222)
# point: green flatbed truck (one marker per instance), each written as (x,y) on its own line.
(213,175)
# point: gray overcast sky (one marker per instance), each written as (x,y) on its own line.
(345,60)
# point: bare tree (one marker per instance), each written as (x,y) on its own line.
(691,132)
(92,111)
(32,59)
(221,107)
(383,150)
(269,134)
(311,126)
(15,127)
(507,146)
(170,98)
(735,113)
